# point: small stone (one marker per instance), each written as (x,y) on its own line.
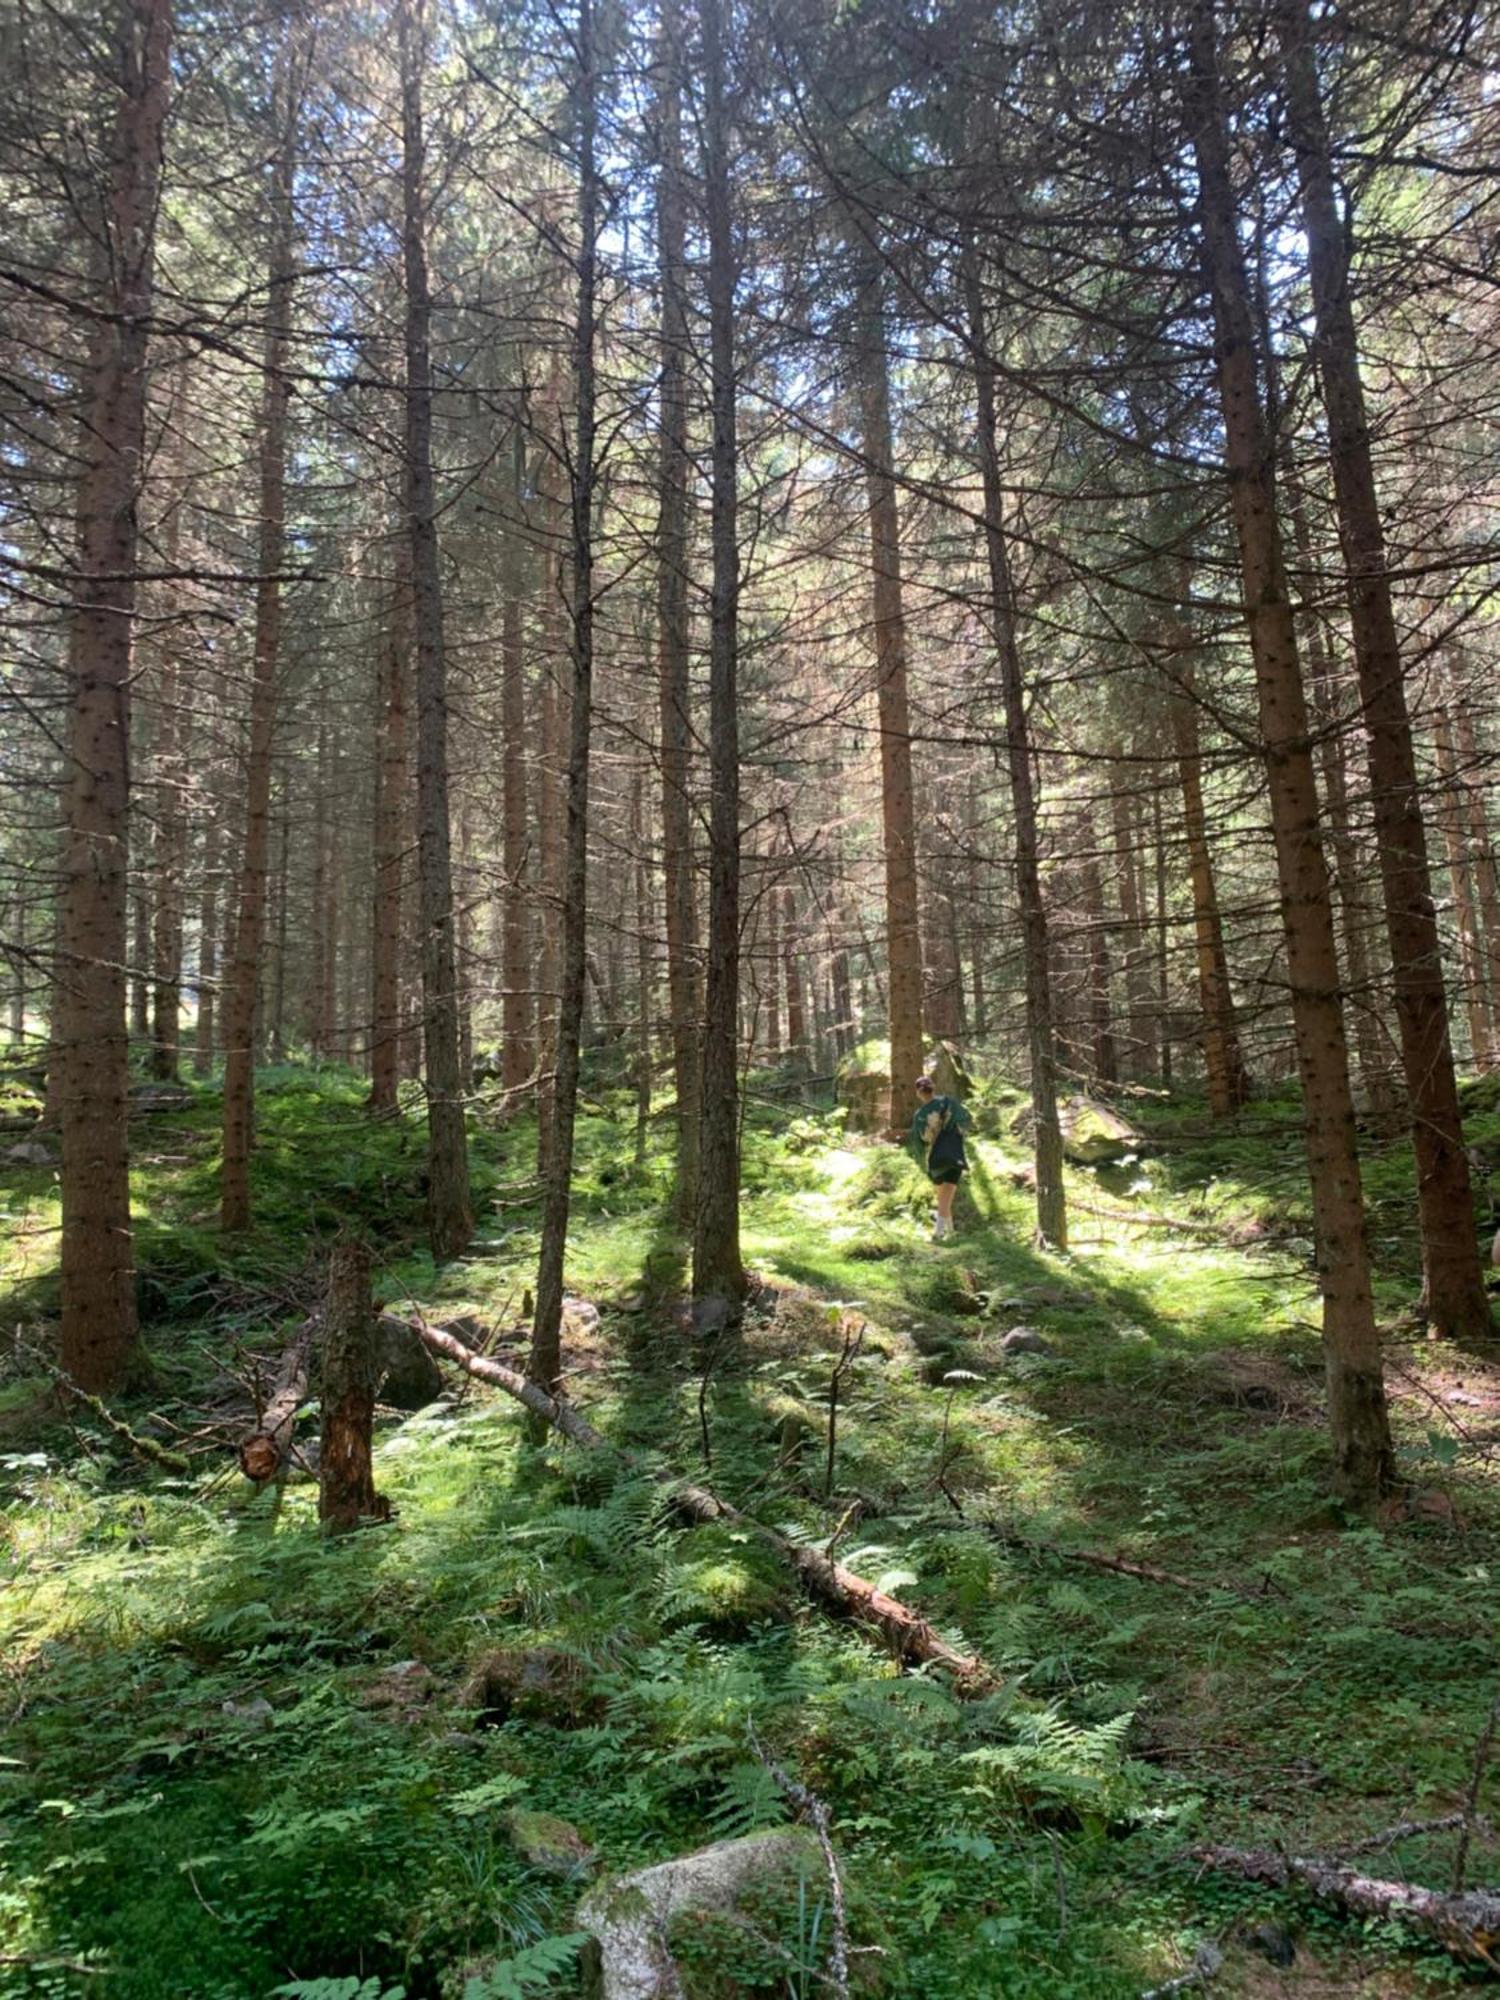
(553,1846)
(30,1153)
(580,1316)
(711,1314)
(1025,1340)
(256,1713)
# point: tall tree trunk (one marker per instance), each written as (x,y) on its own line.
(169,841)
(1356,1389)
(796,1001)
(544,1365)
(1051,1201)
(716,1235)
(1359,977)
(551,791)
(1224,1064)
(281,906)
(1163,942)
(98,1339)
(673,619)
(1482,857)
(1454,1296)
(449,1220)
(1140,1035)
(210,904)
(517,1044)
(1103,1055)
(898,806)
(644,959)
(1465,908)
(392,784)
(241,988)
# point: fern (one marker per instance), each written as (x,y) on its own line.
(526,1972)
(749,1800)
(350,1988)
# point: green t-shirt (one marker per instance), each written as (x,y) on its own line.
(937,1130)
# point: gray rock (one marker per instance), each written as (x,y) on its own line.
(30,1153)
(159,1097)
(580,1316)
(1026,1340)
(551,1845)
(256,1713)
(412,1377)
(1093,1134)
(630,1915)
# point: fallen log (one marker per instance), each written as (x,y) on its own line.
(908,1634)
(1467,1925)
(264,1451)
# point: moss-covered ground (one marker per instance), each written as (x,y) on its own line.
(237,1759)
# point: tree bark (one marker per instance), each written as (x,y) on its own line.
(1482,857)
(1356,1390)
(1454,1297)
(209,906)
(169,842)
(716,1233)
(898,805)
(1360,981)
(351,1376)
(450,1222)
(673,619)
(1465,908)
(1224,1065)
(517,1043)
(392,783)
(545,1362)
(242,987)
(89,1045)
(1051,1201)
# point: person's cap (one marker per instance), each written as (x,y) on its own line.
(924,1083)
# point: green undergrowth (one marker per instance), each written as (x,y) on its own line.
(240,1760)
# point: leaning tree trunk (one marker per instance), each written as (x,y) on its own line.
(98,1338)
(1356,1387)
(1456,1303)
(898,807)
(241,989)
(450,1222)
(1041,1032)
(545,1363)
(716,1236)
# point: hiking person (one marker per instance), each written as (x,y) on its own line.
(938,1129)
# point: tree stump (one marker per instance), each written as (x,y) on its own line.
(351,1375)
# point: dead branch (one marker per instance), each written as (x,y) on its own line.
(908,1634)
(1467,1925)
(1004,1531)
(143,1447)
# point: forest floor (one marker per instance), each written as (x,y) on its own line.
(239,1760)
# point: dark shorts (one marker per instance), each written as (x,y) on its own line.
(948,1175)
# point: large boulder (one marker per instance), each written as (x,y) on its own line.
(411,1378)
(949,1072)
(1094,1135)
(630,1916)
(863,1084)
